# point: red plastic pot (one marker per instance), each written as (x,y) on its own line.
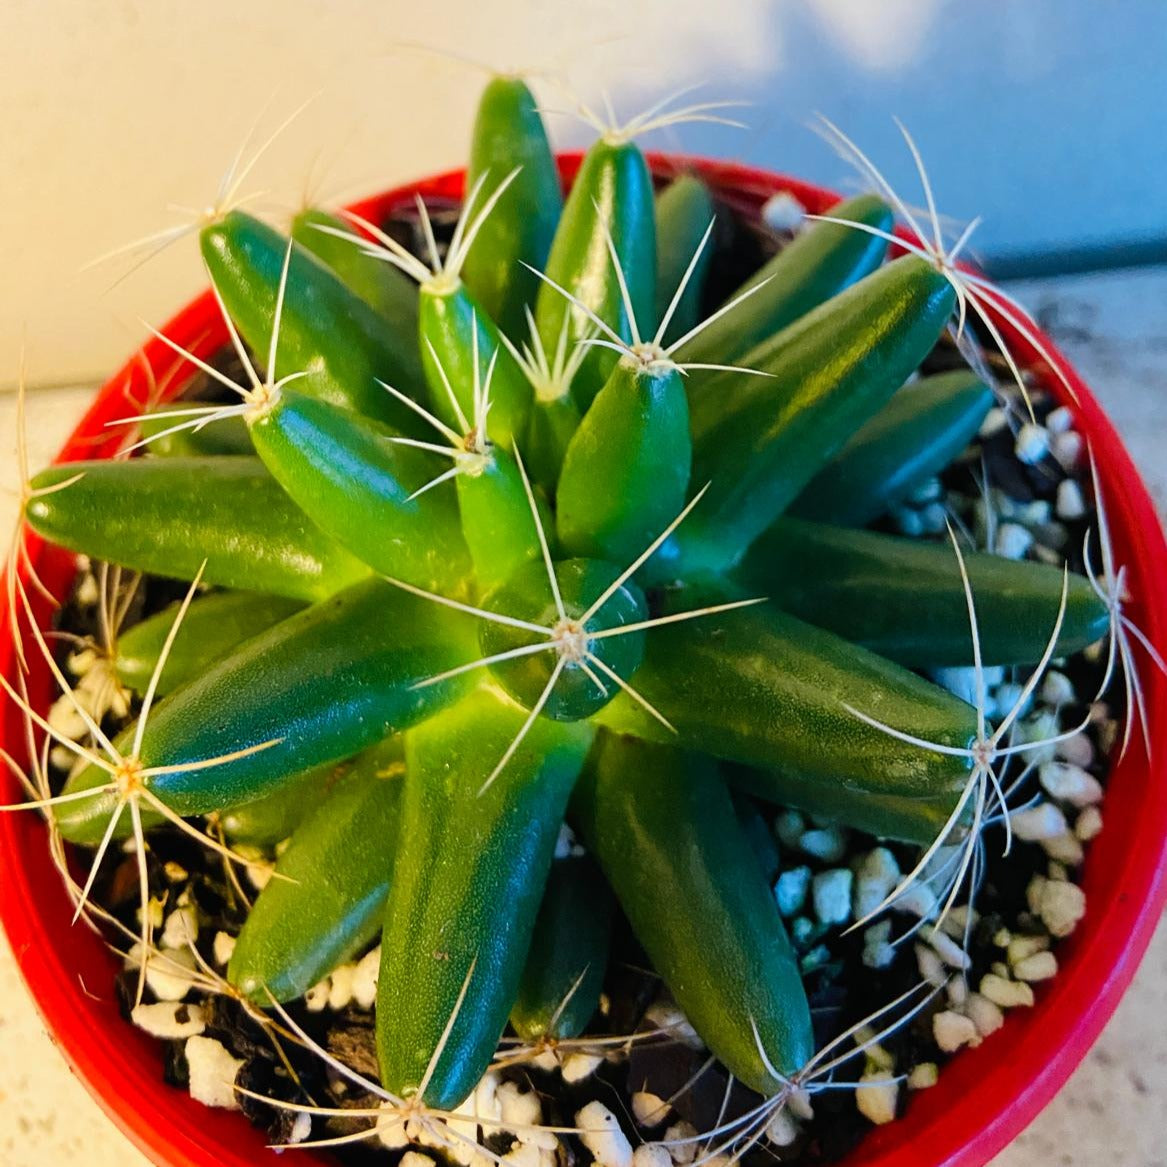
(985,1096)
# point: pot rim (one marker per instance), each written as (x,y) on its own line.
(985,1096)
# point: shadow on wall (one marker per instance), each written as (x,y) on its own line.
(1024,113)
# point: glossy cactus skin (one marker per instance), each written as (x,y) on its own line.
(602,626)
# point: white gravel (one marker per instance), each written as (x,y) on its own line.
(212,1073)
(600,1132)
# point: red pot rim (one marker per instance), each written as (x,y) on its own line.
(985,1096)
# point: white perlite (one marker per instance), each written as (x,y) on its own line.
(877,1095)
(947,949)
(831,894)
(212,1073)
(365,976)
(1004,992)
(876,876)
(577,1066)
(416,1159)
(600,1132)
(826,843)
(924,1076)
(986,1015)
(877,948)
(782,1129)
(1043,821)
(952,1030)
(683,1134)
(649,1109)
(783,212)
(1069,783)
(1088,824)
(651,1155)
(168,1019)
(1031,444)
(1059,903)
(790,890)
(302,1128)
(1041,966)
(666,1015)
(181,929)
(224,946)
(1013,541)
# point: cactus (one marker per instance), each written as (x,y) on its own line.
(519,572)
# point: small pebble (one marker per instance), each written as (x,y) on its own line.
(169,976)
(212,1073)
(181,929)
(1061,906)
(365,975)
(167,1019)
(1065,849)
(340,987)
(947,949)
(1022,947)
(223,947)
(686,1151)
(577,1066)
(919,900)
(783,212)
(1059,420)
(788,828)
(782,1130)
(1038,967)
(1067,448)
(802,931)
(316,998)
(1088,824)
(909,521)
(649,1109)
(986,1015)
(1043,821)
(1077,750)
(790,890)
(876,1097)
(1031,444)
(826,843)
(651,1155)
(1006,993)
(930,490)
(1013,541)
(953,1030)
(1057,689)
(930,965)
(877,949)
(1069,783)
(302,1128)
(665,1014)
(1071,503)
(416,1159)
(995,421)
(875,878)
(174,872)
(390,1129)
(831,894)
(1010,697)
(924,1076)
(956,990)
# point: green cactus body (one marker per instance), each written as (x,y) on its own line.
(645,600)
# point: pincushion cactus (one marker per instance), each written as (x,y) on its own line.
(531,541)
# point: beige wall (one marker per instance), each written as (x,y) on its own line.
(113,110)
